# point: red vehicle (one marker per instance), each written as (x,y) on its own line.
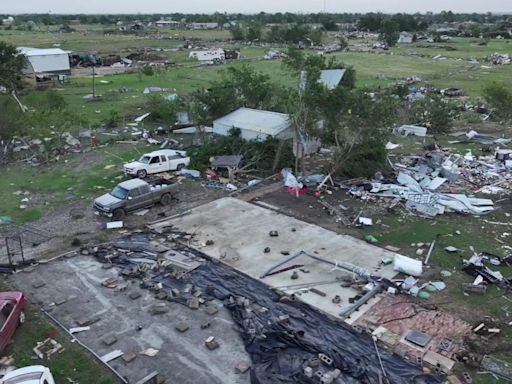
(12,306)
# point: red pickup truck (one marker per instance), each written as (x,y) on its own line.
(12,306)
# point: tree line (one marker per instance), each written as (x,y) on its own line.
(370,21)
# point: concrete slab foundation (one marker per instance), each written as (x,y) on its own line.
(241,231)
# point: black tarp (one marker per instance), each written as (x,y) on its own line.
(281,335)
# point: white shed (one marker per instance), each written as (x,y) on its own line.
(51,60)
(254,124)
(405,38)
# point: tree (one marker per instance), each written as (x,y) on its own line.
(11,119)
(499,97)
(435,113)
(353,121)
(162,110)
(239,86)
(11,67)
(390,32)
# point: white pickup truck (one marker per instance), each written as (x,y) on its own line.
(156,162)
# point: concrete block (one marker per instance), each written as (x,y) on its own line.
(38,284)
(211,343)
(327,378)
(336,373)
(325,359)
(206,325)
(159,308)
(308,371)
(134,295)
(182,327)
(242,367)
(87,321)
(60,301)
(129,356)
(175,292)
(314,361)
(211,309)
(161,296)
(109,340)
(193,303)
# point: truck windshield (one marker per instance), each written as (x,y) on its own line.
(119,192)
(144,160)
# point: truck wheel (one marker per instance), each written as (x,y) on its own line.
(180,167)
(166,199)
(142,174)
(119,214)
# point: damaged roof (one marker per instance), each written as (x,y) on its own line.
(331,78)
(267,122)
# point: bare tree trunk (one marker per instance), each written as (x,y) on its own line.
(22,107)
(278,155)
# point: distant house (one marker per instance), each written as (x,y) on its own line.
(229,25)
(213,55)
(332,78)
(199,26)
(45,62)
(405,38)
(8,21)
(254,124)
(172,24)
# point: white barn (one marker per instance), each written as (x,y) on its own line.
(255,124)
(46,61)
(405,38)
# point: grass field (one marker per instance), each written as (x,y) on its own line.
(72,364)
(72,180)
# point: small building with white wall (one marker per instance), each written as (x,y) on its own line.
(405,38)
(255,124)
(51,61)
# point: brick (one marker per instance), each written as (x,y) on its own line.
(134,295)
(129,356)
(211,343)
(38,284)
(159,308)
(161,296)
(109,340)
(212,309)
(242,367)
(60,301)
(182,327)
(87,321)
(193,303)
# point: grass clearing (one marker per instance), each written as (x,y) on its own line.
(67,182)
(73,363)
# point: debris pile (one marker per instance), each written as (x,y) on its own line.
(436,182)
(499,58)
(284,337)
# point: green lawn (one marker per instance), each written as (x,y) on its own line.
(69,181)
(73,363)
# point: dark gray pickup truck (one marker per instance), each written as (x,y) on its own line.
(132,195)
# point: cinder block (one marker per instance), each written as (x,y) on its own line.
(325,359)
(182,327)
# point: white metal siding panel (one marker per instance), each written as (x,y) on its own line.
(49,63)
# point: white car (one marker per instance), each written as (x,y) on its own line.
(35,374)
(157,162)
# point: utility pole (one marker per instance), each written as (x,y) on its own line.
(93,81)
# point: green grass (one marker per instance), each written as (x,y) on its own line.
(73,363)
(63,182)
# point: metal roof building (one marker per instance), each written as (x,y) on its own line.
(254,124)
(51,60)
(331,78)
